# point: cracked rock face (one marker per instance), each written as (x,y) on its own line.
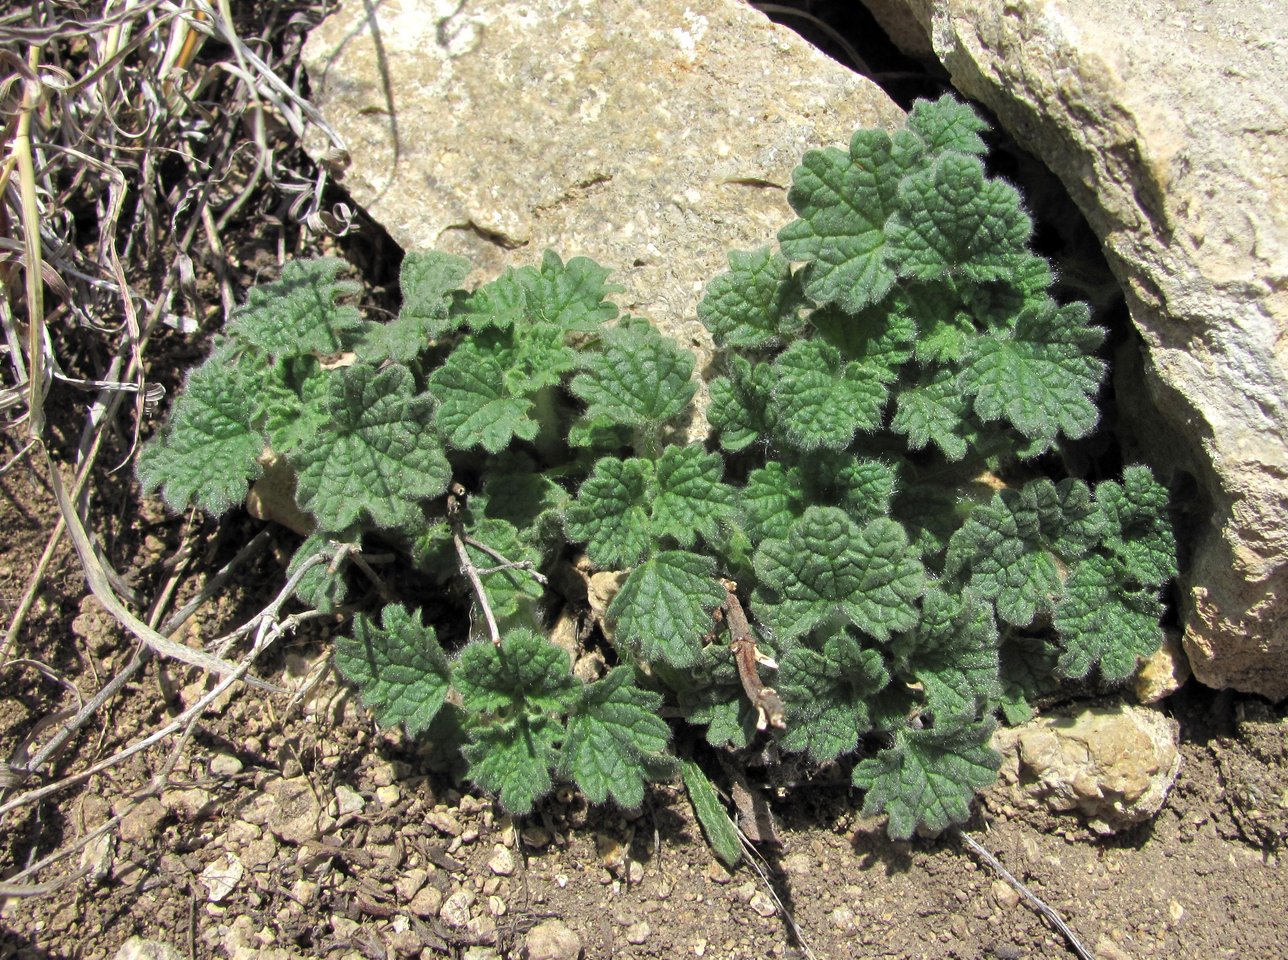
(1168,125)
(651,135)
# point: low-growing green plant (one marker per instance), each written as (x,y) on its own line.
(871,559)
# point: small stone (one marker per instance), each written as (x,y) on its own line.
(191,803)
(1106,949)
(1175,911)
(637,933)
(304,891)
(1005,894)
(348,801)
(388,796)
(141,820)
(405,943)
(455,911)
(444,823)
(611,851)
(800,864)
(225,765)
(410,882)
(1163,673)
(96,857)
(427,902)
(635,872)
(137,948)
(716,873)
(552,940)
(480,953)
(496,906)
(383,773)
(745,892)
(296,815)
(221,877)
(344,928)
(763,904)
(842,917)
(502,861)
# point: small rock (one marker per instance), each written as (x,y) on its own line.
(410,883)
(388,796)
(635,872)
(800,864)
(611,851)
(637,933)
(745,892)
(221,877)
(304,891)
(225,765)
(552,940)
(455,911)
(97,855)
(405,943)
(601,588)
(191,803)
(763,904)
(1175,911)
(137,948)
(1106,949)
(348,801)
(480,953)
(502,861)
(141,820)
(716,873)
(444,823)
(427,902)
(496,906)
(383,773)
(1113,765)
(842,917)
(481,929)
(1005,895)
(1165,672)
(296,816)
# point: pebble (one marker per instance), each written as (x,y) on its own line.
(553,940)
(388,796)
(763,904)
(191,803)
(221,877)
(296,815)
(137,948)
(225,765)
(142,819)
(348,801)
(536,837)
(444,823)
(637,933)
(427,902)
(502,861)
(455,911)
(410,882)
(1005,895)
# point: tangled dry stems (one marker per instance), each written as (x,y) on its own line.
(137,133)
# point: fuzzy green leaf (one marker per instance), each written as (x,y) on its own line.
(828,695)
(952,653)
(928,777)
(755,304)
(828,564)
(821,401)
(739,410)
(571,296)
(377,455)
(1137,532)
(843,200)
(773,499)
(1028,668)
(933,410)
(209,451)
(953,222)
(428,282)
(398,666)
(665,607)
(611,514)
(291,402)
(947,124)
(512,593)
(640,379)
(475,406)
(720,831)
(1041,378)
(525,674)
(1101,622)
(863,487)
(691,500)
(877,340)
(320,587)
(298,313)
(616,741)
(1001,548)
(513,759)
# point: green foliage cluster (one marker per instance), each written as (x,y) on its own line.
(894,384)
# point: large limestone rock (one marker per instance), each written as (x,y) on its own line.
(652,136)
(1168,123)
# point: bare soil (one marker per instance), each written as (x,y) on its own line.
(339,840)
